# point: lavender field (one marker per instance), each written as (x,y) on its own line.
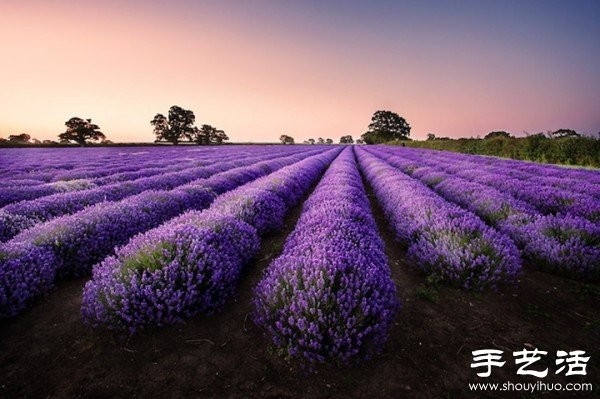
(306,257)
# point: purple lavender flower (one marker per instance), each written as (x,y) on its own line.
(329,297)
(440,237)
(192,263)
(74,243)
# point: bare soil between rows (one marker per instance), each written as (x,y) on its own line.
(47,352)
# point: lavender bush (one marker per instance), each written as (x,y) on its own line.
(28,213)
(329,297)
(441,238)
(563,244)
(76,242)
(192,263)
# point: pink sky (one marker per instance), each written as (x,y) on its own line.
(277,67)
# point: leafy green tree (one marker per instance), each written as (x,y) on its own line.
(386,126)
(208,134)
(80,130)
(220,136)
(346,139)
(19,138)
(179,124)
(285,139)
(161,129)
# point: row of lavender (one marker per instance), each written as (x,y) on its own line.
(552,175)
(565,242)
(37,166)
(22,215)
(192,263)
(31,262)
(46,165)
(549,194)
(329,296)
(15,191)
(72,166)
(441,238)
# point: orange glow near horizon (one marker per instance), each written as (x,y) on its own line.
(275,71)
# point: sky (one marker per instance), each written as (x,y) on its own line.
(258,69)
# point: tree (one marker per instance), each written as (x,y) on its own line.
(311,141)
(220,136)
(204,134)
(80,130)
(493,135)
(359,141)
(178,125)
(563,133)
(430,136)
(386,126)
(320,140)
(207,134)
(328,141)
(346,139)
(19,138)
(285,139)
(161,128)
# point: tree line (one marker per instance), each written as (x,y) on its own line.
(560,146)
(177,126)
(385,126)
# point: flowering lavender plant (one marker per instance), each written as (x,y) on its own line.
(442,238)
(329,297)
(192,263)
(74,243)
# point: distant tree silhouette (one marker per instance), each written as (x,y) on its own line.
(430,136)
(346,139)
(219,137)
(80,130)
(320,140)
(500,133)
(19,138)
(386,126)
(285,139)
(329,141)
(311,141)
(162,129)
(207,134)
(179,124)
(563,133)
(359,141)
